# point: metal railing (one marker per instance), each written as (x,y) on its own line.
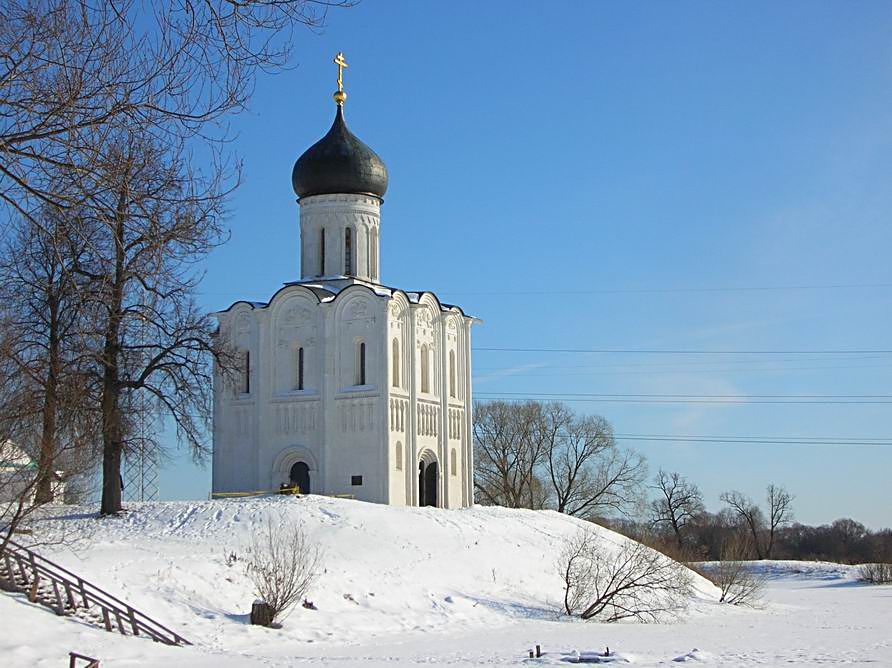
(71,590)
(74,657)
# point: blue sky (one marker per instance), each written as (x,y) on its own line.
(620,175)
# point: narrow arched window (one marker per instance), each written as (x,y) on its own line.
(348,251)
(453,462)
(452,373)
(322,252)
(359,375)
(246,373)
(368,252)
(362,363)
(399,456)
(374,269)
(395,354)
(425,369)
(299,368)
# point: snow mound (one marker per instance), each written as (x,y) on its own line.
(387,571)
(695,656)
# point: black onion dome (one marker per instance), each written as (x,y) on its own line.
(339,163)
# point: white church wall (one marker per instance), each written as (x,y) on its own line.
(430,440)
(454,365)
(356,444)
(297,322)
(292,402)
(399,368)
(235,426)
(338,426)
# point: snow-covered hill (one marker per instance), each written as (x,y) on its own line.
(387,570)
(412,586)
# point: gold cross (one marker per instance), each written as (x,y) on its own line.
(341,63)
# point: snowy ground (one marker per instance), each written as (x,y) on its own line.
(416,586)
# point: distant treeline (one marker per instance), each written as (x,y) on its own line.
(844,540)
(544,455)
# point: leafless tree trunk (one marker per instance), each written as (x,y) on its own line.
(152,219)
(780,513)
(46,312)
(610,583)
(17,409)
(21,410)
(678,502)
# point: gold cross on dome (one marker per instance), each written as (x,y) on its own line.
(341,63)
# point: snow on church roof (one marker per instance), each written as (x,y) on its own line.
(327,292)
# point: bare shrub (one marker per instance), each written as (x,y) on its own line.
(738,583)
(875,573)
(631,582)
(283,564)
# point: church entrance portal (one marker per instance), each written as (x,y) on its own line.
(427,483)
(300,476)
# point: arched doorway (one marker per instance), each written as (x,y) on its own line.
(300,476)
(428,477)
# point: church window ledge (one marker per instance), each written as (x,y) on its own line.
(359,388)
(358,391)
(296,395)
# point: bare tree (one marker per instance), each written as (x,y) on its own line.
(47,417)
(749,515)
(47,316)
(103,109)
(678,502)
(780,513)
(20,441)
(152,217)
(283,564)
(610,583)
(506,455)
(71,68)
(738,583)
(588,474)
(17,408)
(536,455)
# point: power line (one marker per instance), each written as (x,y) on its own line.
(613,291)
(728,399)
(758,440)
(685,362)
(485,374)
(704,396)
(657,351)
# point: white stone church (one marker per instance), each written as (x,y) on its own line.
(347,386)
